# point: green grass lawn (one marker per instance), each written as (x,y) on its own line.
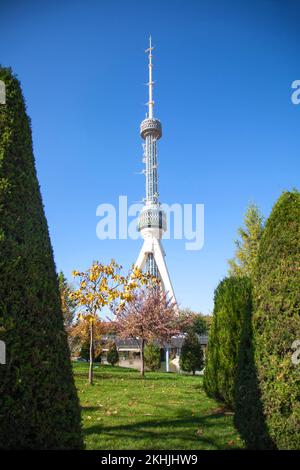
(162,411)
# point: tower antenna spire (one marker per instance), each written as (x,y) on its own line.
(150,83)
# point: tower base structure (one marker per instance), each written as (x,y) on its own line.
(152,252)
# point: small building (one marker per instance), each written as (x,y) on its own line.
(129,352)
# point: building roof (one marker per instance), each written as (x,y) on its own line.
(132,344)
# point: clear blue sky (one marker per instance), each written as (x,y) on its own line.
(231,134)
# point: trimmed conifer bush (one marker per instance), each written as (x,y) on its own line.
(191,356)
(112,354)
(85,351)
(152,356)
(249,417)
(212,359)
(232,306)
(38,401)
(276,322)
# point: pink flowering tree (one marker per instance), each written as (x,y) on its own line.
(149,316)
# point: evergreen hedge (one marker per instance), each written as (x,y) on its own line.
(232,306)
(191,356)
(249,416)
(276,322)
(152,356)
(112,354)
(38,401)
(85,351)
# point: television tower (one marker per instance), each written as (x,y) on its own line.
(152,219)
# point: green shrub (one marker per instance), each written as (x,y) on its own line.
(276,321)
(98,357)
(85,351)
(191,356)
(38,401)
(201,324)
(112,354)
(210,382)
(232,306)
(152,356)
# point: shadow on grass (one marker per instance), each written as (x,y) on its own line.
(91,408)
(182,429)
(249,417)
(101,375)
(105,371)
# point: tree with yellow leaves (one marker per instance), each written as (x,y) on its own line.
(244,261)
(79,337)
(101,286)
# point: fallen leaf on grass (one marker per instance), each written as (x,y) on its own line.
(222,411)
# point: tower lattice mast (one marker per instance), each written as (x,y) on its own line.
(152,219)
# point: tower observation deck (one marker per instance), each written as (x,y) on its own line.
(152,219)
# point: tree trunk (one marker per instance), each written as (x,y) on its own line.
(142,359)
(91,354)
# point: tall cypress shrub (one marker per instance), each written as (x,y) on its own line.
(276,321)
(112,354)
(212,358)
(152,356)
(38,402)
(249,416)
(232,305)
(191,356)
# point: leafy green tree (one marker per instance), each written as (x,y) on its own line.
(112,354)
(247,247)
(38,402)
(68,305)
(198,323)
(191,357)
(276,321)
(232,307)
(152,356)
